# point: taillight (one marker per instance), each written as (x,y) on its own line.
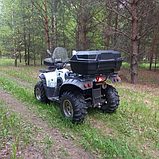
(99,79)
(88,85)
(116,79)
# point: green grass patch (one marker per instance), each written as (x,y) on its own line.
(141,65)
(25,73)
(146,65)
(6,62)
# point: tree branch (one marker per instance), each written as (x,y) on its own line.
(128,2)
(39,11)
(114,10)
(145,13)
(147,30)
(117,30)
(94,14)
(37,6)
(124,4)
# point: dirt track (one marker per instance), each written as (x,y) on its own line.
(74,151)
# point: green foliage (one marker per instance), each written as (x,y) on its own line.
(22,27)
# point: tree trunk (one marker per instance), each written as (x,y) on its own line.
(46,27)
(155,61)
(54,23)
(28,56)
(153,43)
(109,25)
(157,51)
(20,56)
(25,45)
(40,9)
(16,60)
(83,34)
(29,45)
(0,53)
(77,35)
(54,31)
(63,32)
(15,54)
(41,60)
(134,57)
(152,51)
(116,25)
(34,51)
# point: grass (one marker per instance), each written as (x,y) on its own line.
(131,132)
(142,65)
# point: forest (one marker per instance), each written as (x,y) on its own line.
(29,27)
(32,129)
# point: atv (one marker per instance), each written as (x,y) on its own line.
(82,86)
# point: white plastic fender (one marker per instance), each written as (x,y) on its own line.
(51,79)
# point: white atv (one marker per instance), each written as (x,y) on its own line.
(82,87)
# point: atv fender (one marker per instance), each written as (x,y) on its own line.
(74,84)
(49,82)
(43,79)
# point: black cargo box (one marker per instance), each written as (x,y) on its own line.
(96,62)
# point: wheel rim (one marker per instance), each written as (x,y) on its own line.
(38,93)
(67,108)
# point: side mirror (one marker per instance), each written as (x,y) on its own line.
(48,51)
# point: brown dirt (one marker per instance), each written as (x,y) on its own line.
(148,81)
(70,146)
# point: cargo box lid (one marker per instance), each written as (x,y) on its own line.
(96,55)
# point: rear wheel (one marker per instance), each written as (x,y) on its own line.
(39,92)
(73,106)
(112,99)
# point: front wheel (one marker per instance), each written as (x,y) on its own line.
(73,106)
(112,98)
(39,93)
